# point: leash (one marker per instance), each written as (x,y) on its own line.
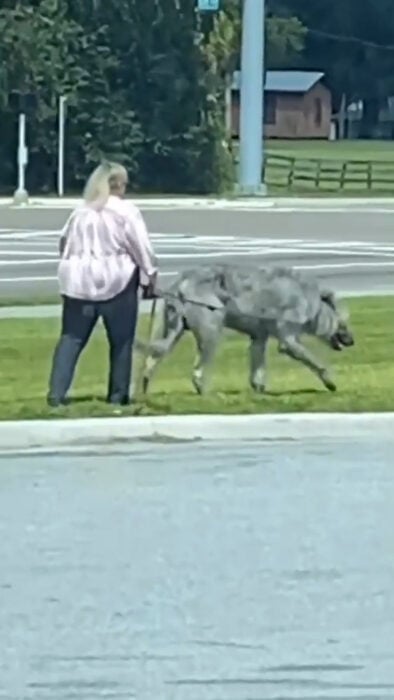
(160,294)
(141,388)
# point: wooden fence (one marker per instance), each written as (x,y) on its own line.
(325,175)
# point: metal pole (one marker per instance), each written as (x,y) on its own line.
(60,169)
(252,99)
(21,152)
(21,196)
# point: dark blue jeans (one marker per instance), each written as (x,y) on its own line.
(79,318)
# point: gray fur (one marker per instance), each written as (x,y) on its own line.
(276,303)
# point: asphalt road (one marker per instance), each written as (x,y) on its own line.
(353,251)
(199,572)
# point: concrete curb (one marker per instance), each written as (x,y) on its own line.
(107,433)
(247,203)
(151,203)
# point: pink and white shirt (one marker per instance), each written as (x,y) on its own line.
(101,249)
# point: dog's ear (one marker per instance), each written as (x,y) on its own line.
(328,298)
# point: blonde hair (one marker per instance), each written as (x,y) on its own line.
(104,180)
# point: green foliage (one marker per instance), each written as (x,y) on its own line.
(355,68)
(46,52)
(286,40)
(145,81)
(285,36)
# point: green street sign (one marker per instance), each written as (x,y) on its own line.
(208,5)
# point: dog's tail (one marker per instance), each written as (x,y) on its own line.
(173,327)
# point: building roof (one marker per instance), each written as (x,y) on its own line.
(285,80)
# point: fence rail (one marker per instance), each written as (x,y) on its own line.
(326,175)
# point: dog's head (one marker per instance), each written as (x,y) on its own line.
(340,336)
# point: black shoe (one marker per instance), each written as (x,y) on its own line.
(125,401)
(56,403)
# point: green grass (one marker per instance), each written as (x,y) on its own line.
(49,300)
(319,165)
(334,150)
(326,158)
(364,374)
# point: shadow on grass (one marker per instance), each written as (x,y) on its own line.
(85,398)
(70,401)
(295,392)
(231,394)
(136,407)
(221,401)
(239,393)
(171,402)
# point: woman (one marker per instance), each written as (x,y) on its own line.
(105,255)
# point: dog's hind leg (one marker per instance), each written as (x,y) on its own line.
(293,348)
(173,330)
(152,361)
(257,360)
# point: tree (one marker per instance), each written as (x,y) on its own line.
(285,42)
(166,74)
(340,42)
(46,53)
(145,83)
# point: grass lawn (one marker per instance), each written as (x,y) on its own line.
(334,150)
(319,168)
(364,374)
(49,300)
(319,172)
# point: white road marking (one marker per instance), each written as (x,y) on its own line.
(173,273)
(10,263)
(221,255)
(211,241)
(262,252)
(47,253)
(21,234)
(8,280)
(345,266)
(26,248)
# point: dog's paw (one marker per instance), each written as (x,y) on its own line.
(258,388)
(198,385)
(328,382)
(331,386)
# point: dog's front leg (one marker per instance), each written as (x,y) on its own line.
(257,360)
(206,348)
(207,335)
(292,347)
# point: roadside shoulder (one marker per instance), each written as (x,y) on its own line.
(64,434)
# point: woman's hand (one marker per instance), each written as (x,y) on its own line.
(149,290)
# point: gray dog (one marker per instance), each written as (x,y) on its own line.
(260,303)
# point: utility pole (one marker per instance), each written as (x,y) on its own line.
(60,163)
(252,99)
(20,195)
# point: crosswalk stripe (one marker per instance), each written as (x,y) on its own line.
(31,247)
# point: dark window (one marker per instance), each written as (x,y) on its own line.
(270,109)
(318,112)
